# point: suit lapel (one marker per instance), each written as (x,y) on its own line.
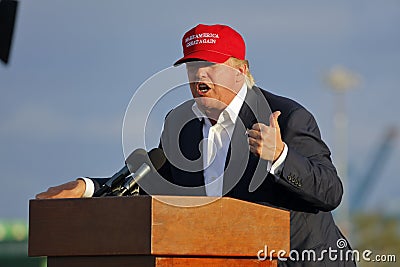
(191,134)
(181,136)
(255,109)
(249,114)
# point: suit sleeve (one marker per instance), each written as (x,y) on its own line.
(308,170)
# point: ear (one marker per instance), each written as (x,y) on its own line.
(242,72)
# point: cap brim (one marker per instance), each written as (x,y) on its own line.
(204,55)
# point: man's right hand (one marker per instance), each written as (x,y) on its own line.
(73,189)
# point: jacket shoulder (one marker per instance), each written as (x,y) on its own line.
(281,103)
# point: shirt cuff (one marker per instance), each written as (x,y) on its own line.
(277,167)
(89,190)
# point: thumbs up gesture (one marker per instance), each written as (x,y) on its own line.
(266,141)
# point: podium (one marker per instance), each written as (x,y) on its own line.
(162,231)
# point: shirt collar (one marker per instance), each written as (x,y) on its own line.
(232,109)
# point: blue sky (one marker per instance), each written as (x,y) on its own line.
(76,64)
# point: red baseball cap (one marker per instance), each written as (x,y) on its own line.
(213,43)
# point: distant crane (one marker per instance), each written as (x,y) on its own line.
(378,161)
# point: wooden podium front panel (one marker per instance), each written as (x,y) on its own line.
(223,227)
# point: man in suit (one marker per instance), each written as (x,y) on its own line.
(235,139)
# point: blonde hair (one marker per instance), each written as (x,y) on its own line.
(236,63)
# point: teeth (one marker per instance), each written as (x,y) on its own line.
(203,87)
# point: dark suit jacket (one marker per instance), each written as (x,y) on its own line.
(308,185)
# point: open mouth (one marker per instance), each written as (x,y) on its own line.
(202,88)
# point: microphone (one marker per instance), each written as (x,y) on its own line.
(157,160)
(131,165)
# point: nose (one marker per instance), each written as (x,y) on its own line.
(197,74)
(201,73)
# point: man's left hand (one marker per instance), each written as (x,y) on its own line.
(266,141)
